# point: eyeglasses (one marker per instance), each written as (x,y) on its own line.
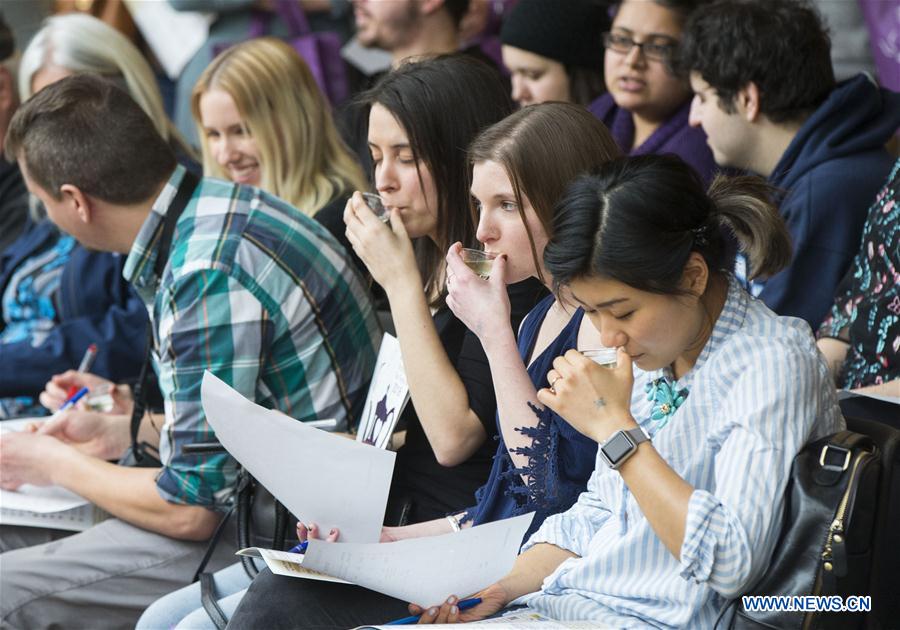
(660,48)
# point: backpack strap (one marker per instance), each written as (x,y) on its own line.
(145,454)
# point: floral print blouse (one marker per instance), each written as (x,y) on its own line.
(866,312)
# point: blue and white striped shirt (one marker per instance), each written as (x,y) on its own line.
(758,392)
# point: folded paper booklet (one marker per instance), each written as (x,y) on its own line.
(288,564)
(45,506)
(513,620)
(387,397)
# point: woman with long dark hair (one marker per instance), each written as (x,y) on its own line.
(521,166)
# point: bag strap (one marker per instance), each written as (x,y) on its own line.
(207,585)
(210,605)
(208,597)
(836,454)
(244,506)
(294,17)
(146,454)
(259,24)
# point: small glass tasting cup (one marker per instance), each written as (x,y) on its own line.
(376,205)
(478,261)
(604,357)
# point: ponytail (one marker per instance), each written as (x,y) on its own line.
(743,205)
(638,219)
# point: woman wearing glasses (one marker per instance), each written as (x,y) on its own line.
(646,105)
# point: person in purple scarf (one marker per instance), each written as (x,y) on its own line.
(647,105)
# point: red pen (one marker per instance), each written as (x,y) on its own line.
(85,366)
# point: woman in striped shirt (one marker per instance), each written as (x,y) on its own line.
(726,391)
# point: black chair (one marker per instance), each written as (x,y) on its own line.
(884,585)
(865,408)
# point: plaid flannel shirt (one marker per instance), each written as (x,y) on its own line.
(263,297)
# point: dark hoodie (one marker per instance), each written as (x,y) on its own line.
(831,173)
(94,304)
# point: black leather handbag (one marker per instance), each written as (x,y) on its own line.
(826,542)
(262,521)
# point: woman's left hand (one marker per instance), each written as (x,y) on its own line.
(595,400)
(311,531)
(385,249)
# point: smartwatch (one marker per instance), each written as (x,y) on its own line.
(621,445)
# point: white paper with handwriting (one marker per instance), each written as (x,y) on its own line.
(320,477)
(45,506)
(426,570)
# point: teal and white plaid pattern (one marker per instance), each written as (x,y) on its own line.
(264,298)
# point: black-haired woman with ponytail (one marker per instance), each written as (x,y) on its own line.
(699,423)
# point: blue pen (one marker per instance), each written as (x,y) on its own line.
(464,604)
(300,548)
(71,402)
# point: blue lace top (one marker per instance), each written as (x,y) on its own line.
(560,459)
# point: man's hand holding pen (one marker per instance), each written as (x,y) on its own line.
(58,388)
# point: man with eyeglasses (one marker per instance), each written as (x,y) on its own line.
(766,96)
(647,104)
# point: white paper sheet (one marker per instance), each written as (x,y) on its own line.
(321,478)
(19,424)
(513,621)
(40,499)
(44,506)
(425,570)
(524,619)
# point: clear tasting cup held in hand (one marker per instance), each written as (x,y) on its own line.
(478,261)
(376,205)
(604,357)
(101,399)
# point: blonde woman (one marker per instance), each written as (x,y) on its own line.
(75,43)
(264,122)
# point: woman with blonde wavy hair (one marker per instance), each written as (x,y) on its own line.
(264,122)
(75,43)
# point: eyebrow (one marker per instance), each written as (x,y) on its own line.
(600,305)
(228,127)
(402,145)
(647,35)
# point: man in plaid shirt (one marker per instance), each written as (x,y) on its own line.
(252,290)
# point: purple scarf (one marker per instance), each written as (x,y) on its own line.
(675,135)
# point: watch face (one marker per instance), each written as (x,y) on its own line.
(617,448)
